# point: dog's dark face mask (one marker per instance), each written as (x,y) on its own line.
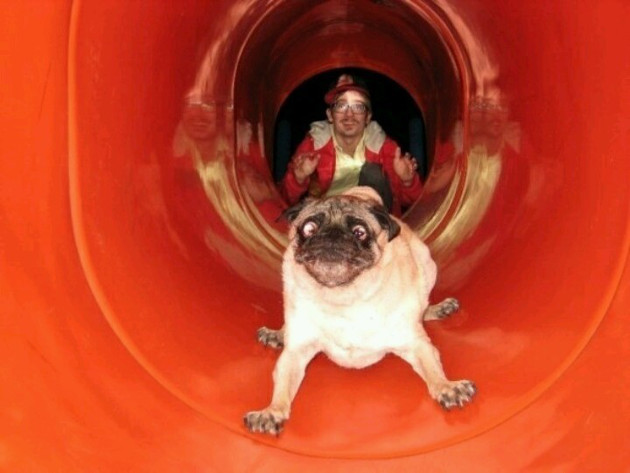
(335,240)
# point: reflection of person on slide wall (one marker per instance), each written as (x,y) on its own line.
(496,165)
(200,194)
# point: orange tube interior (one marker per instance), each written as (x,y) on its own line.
(137,263)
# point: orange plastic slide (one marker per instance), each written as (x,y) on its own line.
(139,252)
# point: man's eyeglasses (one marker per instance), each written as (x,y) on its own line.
(205,106)
(342,107)
(483,105)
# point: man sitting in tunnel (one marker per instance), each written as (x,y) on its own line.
(351,149)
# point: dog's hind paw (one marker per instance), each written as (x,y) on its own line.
(266,422)
(456,393)
(271,338)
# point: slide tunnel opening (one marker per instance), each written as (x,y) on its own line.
(392,107)
(185,283)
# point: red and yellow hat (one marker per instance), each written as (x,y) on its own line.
(344,83)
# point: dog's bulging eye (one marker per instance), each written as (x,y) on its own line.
(359,232)
(309,229)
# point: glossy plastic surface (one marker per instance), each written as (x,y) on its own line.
(139,252)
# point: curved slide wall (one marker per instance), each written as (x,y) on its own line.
(139,252)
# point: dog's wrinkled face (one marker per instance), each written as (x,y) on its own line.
(338,238)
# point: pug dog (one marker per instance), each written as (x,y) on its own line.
(356,284)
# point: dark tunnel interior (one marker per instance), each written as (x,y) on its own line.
(393,108)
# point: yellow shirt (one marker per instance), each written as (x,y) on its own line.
(347,167)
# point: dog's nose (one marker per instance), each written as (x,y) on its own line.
(334,232)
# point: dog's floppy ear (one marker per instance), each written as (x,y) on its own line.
(292,212)
(386,221)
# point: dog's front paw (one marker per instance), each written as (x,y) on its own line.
(455,393)
(447,307)
(442,310)
(271,338)
(266,422)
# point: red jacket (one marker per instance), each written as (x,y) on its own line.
(378,149)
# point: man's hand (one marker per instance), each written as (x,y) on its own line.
(304,165)
(405,167)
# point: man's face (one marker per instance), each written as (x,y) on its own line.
(496,120)
(199,120)
(488,118)
(348,123)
